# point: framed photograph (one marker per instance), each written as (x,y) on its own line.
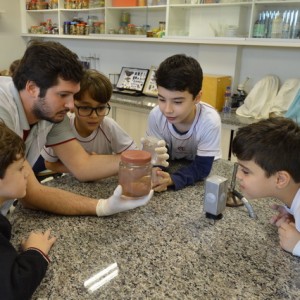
(150,88)
(132,79)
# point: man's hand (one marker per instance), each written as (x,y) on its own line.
(162,181)
(289,236)
(118,203)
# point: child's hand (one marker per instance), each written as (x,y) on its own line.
(39,240)
(163,180)
(282,215)
(289,236)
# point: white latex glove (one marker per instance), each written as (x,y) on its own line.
(118,203)
(160,155)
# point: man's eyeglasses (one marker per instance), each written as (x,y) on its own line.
(86,111)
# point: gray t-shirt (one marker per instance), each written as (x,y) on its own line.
(41,134)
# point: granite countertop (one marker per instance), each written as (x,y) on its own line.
(147,103)
(167,249)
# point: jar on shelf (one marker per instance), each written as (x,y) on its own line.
(67,25)
(142,2)
(139,30)
(102,28)
(73,29)
(122,30)
(80,28)
(162,26)
(68,4)
(131,28)
(97,27)
(135,173)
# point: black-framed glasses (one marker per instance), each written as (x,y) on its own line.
(86,111)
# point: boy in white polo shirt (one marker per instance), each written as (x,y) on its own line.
(269,161)
(191,129)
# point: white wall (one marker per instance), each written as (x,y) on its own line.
(12,46)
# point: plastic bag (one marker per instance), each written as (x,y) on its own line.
(294,110)
(260,99)
(285,96)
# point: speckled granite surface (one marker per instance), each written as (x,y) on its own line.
(165,250)
(147,103)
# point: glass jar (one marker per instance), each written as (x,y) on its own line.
(131,28)
(139,30)
(162,26)
(135,173)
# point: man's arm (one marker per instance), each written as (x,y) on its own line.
(55,200)
(82,165)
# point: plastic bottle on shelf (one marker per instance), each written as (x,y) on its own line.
(277,26)
(227,101)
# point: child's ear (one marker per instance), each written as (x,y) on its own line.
(283,178)
(198,97)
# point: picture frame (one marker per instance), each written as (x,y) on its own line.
(150,88)
(132,79)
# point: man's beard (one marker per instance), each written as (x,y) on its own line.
(41,111)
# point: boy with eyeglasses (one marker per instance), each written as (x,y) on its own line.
(96,133)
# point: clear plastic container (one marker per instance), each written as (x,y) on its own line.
(149,145)
(135,173)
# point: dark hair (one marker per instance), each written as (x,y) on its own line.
(96,85)
(12,147)
(44,62)
(180,73)
(272,143)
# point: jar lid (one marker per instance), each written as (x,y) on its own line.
(136,156)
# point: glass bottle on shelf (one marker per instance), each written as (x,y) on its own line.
(277,26)
(227,102)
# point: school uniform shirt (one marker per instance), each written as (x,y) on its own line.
(108,138)
(20,274)
(295,211)
(37,136)
(200,144)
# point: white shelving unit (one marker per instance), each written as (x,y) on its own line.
(185,23)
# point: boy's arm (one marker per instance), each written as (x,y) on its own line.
(196,171)
(83,166)
(57,166)
(19,274)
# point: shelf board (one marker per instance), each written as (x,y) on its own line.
(287,43)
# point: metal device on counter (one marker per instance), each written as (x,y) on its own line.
(216,188)
(235,198)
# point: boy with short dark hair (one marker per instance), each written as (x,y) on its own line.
(20,274)
(269,166)
(190,128)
